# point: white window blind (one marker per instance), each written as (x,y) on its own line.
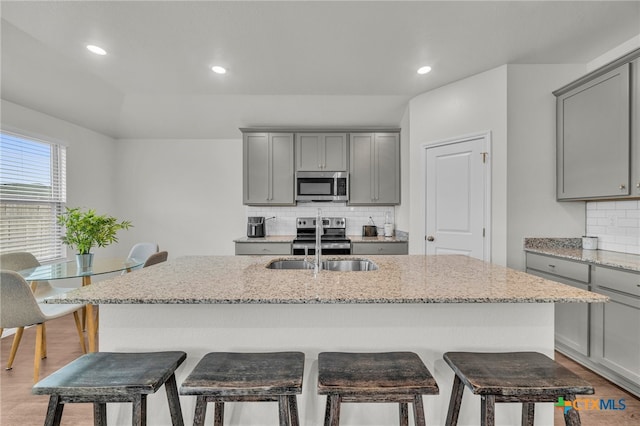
(32,194)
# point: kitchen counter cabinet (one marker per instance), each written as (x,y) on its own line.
(425,304)
(374,169)
(268,170)
(377,245)
(603,337)
(319,152)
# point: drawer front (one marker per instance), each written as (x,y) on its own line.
(263,249)
(614,279)
(565,268)
(379,248)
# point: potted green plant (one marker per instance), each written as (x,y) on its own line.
(86,229)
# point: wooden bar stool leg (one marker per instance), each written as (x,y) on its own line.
(335,410)
(218,417)
(54,411)
(404,414)
(455,401)
(571,417)
(99,414)
(293,410)
(174,401)
(201,411)
(327,412)
(283,410)
(139,416)
(488,408)
(418,411)
(528,413)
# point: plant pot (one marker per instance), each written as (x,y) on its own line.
(84,261)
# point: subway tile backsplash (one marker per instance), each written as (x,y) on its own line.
(616,224)
(285,217)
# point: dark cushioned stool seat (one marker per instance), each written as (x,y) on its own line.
(526,377)
(103,377)
(241,377)
(399,377)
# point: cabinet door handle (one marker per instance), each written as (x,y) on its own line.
(552,266)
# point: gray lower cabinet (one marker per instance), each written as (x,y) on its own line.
(571,319)
(268,169)
(616,325)
(321,152)
(267,249)
(374,168)
(604,337)
(385,248)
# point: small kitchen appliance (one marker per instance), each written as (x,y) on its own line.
(333,239)
(255,226)
(322,186)
(370,230)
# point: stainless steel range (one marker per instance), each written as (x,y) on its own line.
(333,239)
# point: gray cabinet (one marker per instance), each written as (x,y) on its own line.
(383,248)
(635,128)
(571,319)
(593,141)
(321,152)
(268,174)
(374,168)
(260,248)
(616,325)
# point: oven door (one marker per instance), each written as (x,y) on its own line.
(328,247)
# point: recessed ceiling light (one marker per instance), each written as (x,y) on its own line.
(424,70)
(218,70)
(96,49)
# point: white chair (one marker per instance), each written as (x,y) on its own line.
(142,251)
(19,309)
(19,260)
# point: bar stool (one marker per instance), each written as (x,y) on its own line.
(103,377)
(374,377)
(526,377)
(223,377)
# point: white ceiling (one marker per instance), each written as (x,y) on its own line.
(289,63)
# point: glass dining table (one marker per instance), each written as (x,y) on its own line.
(69,269)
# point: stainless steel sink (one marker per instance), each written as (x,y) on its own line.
(349,265)
(342,265)
(290,264)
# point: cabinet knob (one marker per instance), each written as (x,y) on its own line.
(623,187)
(430,238)
(638,185)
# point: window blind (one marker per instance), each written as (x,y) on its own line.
(32,194)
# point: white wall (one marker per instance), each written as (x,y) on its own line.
(90,161)
(184,194)
(532,209)
(473,105)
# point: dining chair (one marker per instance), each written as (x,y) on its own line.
(19,309)
(159,257)
(142,251)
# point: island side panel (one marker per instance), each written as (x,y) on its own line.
(427,329)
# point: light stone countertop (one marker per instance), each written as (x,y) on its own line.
(399,279)
(571,248)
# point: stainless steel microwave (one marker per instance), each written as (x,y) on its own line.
(322,186)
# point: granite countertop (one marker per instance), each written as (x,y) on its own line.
(399,279)
(571,248)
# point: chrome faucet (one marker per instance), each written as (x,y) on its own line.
(319,232)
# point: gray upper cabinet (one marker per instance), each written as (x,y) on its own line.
(268,171)
(598,137)
(321,152)
(374,168)
(593,138)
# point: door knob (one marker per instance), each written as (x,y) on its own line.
(430,238)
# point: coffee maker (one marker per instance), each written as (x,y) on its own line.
(255,227)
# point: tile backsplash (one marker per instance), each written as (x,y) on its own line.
(616,224)
(285,217)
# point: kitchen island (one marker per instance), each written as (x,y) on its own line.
(425,304)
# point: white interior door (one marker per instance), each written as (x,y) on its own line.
(457,197)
